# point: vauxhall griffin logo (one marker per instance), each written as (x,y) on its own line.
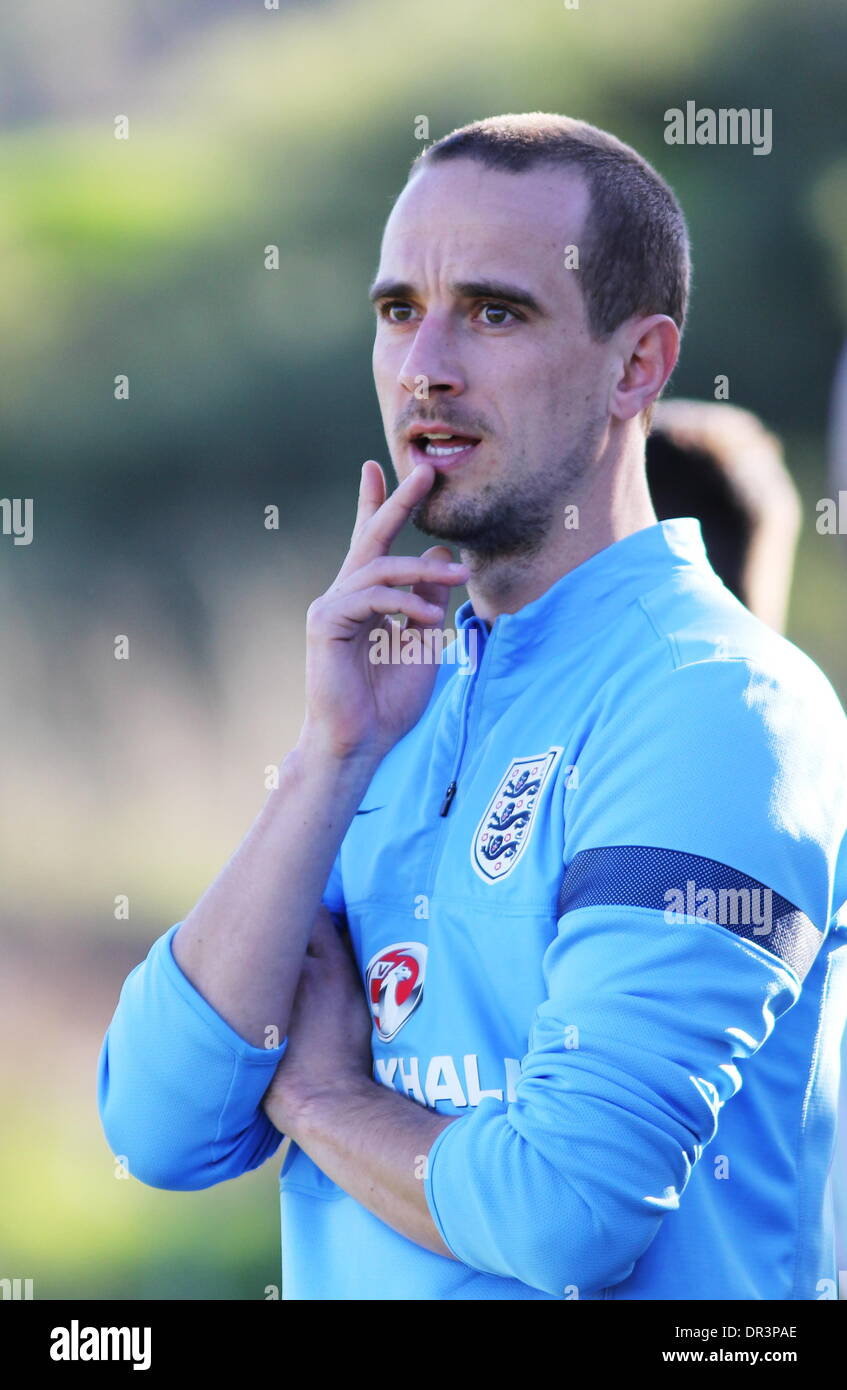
(394,982)
(506,825)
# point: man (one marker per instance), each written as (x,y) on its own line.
(590,862)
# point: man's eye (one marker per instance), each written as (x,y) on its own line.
(395,306)
(497,309)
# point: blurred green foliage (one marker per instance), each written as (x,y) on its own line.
(145,256)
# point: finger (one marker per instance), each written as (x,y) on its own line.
(350,609)
(438,595)
(434,590)
(381,526)
(372,494)
(435,567)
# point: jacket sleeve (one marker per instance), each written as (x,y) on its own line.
(655,1001)
(179,1092)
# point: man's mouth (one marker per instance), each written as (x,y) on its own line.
(442,448)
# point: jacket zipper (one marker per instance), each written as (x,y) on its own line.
(449,794)
(463,735)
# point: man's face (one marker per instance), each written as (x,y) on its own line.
(527,381)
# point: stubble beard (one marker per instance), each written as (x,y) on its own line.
(505,519)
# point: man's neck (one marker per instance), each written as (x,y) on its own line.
(612,509)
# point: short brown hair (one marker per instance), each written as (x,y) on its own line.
(634,255)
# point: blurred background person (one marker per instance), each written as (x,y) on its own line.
(837,440)
(719,463)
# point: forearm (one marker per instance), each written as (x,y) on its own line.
(242,945)
(373,1142)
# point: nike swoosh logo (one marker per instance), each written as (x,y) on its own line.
(367,810)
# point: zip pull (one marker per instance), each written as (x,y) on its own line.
(448,797)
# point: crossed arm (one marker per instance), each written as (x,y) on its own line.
(371,1141)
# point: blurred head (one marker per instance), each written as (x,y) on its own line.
(718,463)
(837,440)
(530,295)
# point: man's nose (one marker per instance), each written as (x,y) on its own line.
(432,363)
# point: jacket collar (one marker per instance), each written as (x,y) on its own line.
(591,596)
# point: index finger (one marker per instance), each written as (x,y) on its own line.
(379,521)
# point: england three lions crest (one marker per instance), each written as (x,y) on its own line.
(504,830)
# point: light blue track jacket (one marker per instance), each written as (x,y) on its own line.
(615,948)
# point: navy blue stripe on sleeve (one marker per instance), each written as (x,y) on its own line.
(674,882)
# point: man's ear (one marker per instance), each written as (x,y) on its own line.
(648,352)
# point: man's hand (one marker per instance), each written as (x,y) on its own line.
(355,706)
(329,1036)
